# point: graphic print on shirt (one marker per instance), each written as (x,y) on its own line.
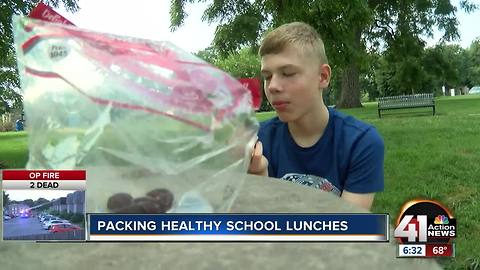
(312,181)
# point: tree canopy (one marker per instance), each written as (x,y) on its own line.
(350,29)
(386,35)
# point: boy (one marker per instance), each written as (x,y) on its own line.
(307,142)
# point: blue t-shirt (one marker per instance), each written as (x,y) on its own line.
(349,155)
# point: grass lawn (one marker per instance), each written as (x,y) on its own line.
(431,157)
(13,149)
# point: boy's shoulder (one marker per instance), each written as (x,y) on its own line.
(347,130)
(337,120)
(354,132)
(352,128)
(345,121)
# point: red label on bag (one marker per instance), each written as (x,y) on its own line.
(253,85)
(46,13)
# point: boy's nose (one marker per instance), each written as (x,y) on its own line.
(274,85)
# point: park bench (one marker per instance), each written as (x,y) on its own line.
(406,101)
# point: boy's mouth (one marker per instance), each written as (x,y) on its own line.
(280,105)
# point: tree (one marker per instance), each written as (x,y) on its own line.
(347,27)
(474,67)
(242,64)
(40,201)
(10,97)
(28,202)
(444,63)
(6,199)
(209,55)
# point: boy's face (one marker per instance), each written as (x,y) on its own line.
(293,82)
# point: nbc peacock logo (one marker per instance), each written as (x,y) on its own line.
(441,219)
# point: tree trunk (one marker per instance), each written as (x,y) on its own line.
(350,95)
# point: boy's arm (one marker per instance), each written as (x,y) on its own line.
(363,200)
(365,176)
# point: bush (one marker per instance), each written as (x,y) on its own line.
(77,218)
(7,126)
(65,215)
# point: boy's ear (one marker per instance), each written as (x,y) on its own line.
(325,73)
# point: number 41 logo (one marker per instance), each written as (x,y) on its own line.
(412,228)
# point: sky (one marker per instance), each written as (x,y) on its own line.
(145,19)
(151,19)
(468,26)
(20,195)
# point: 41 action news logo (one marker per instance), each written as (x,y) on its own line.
(425,221)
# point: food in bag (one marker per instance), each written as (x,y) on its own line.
(138,115)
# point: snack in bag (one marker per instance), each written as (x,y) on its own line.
(138,115)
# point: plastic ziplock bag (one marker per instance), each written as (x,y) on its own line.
(138,115)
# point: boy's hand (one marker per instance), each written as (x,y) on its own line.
(258,163)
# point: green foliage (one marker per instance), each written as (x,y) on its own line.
(45,205)
(349,29)
(10,98)
(65,215)
(77,218)
(28,202)
(6,198)
(240,64)
(473,69)
(443,65)
(40,201)
(209,55)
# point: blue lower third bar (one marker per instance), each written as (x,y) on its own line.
(240,227)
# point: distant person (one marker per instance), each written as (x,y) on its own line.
(307,142)
(19,125)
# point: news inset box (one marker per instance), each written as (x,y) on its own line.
(44,205)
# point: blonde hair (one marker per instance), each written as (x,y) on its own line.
(299,34)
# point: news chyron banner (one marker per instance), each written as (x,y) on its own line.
(240,227)
(425,228)
(44,205)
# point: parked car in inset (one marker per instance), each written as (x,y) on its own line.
(48,224)
(64,228)
(48,218)
(42,219)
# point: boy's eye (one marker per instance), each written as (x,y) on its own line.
(289,74)
(267,78)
